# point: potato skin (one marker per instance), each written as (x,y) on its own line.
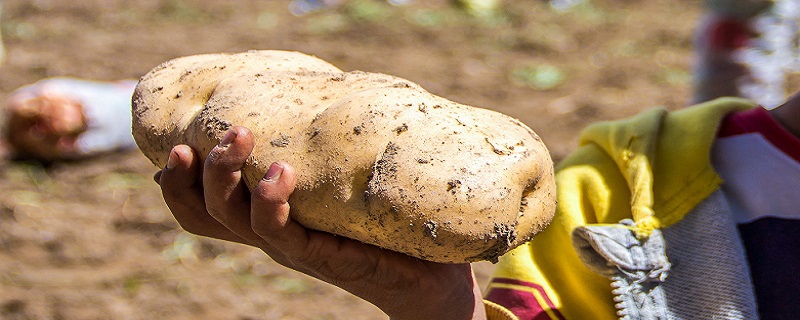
(379,159)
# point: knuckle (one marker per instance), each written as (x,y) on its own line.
(310,258)
(191,228)
(260,230)
(218,215)
(171,196)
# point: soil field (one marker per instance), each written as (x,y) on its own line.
(94,240)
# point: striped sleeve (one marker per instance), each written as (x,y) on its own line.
(521,299)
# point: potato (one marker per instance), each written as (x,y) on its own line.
(379,159)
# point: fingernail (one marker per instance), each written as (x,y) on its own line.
(274,172)
(172,160)
(228,138)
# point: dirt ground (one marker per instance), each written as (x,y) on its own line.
(94,240)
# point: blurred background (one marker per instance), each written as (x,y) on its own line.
(93,239)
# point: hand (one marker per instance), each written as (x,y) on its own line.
(45,126)
(220,206)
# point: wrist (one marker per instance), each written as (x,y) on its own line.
(447,301)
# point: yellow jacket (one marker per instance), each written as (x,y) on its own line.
(653,168)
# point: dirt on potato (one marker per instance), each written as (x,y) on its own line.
(93,239)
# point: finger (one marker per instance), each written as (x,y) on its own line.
(226,195)
(334,259)
(270,211)
(180,186)
(157,177)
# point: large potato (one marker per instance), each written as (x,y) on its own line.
(379,159)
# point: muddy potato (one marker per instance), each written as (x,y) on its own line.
(379,159)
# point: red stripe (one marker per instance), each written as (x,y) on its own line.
(758,120)
(729,34)
(522,303)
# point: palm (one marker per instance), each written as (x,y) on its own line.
(219,205)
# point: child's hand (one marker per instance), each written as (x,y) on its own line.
(211,199)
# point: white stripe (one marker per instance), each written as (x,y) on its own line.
(760,180)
